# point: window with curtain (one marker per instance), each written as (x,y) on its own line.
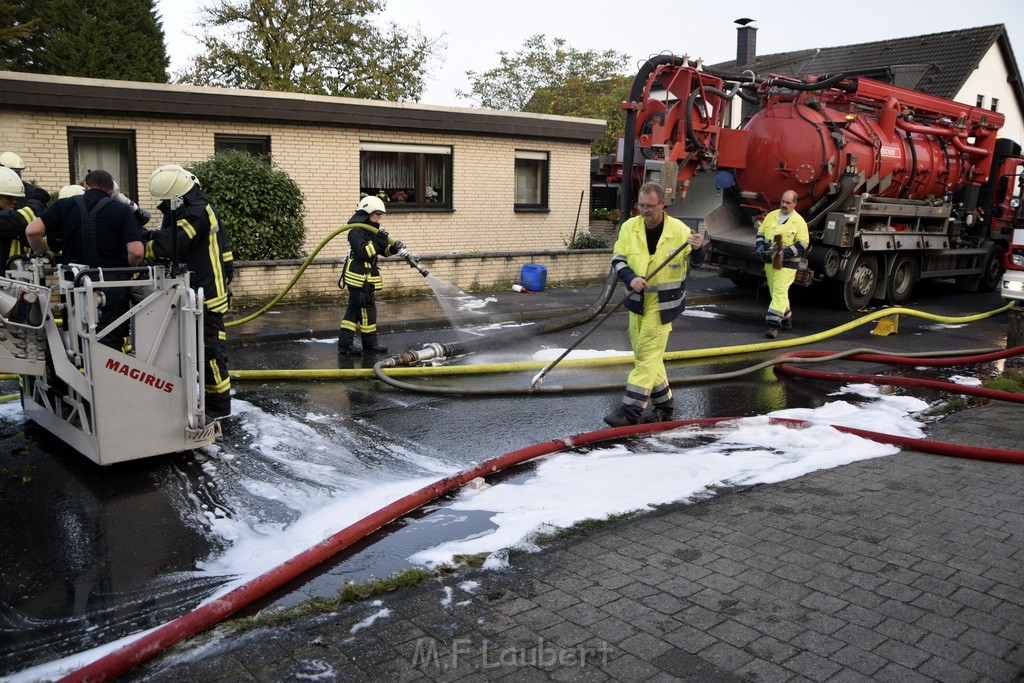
(113,151)
(531,179)
(407,177)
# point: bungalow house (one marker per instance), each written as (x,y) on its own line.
(478,192)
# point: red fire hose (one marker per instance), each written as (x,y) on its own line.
(119,661)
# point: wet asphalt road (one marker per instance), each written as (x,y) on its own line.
(90,554)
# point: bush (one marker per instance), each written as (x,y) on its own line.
(262,207)
(587,241)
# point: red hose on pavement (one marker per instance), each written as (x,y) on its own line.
(906,381)
(207,615)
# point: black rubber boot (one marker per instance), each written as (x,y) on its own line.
(345,344)
(371,345)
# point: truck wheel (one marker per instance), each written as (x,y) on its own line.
(902,279)
(993,272)
(744,280)
(855,293)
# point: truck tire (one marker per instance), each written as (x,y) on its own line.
(902,278)
(993,272)
(855,293)
(744,280)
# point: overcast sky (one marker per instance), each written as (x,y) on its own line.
(475,31)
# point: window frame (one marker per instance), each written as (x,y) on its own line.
(543,168)
(223,142)
(126,178)
(420,173)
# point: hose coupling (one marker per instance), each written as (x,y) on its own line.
(428,352)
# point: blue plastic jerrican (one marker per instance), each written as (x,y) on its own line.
(534,277)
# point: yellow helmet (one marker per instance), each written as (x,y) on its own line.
(371,204)
(70,191)
(12,160)
(10,183)
(170,180)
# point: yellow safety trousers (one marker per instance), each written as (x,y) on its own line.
(648,337)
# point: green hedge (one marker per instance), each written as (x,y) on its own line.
(262,207)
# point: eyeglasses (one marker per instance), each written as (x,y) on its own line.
(644,207)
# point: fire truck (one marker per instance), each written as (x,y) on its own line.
(111,405)
(896,186)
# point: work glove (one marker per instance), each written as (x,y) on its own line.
(766,256)
(397,246)
(382,233)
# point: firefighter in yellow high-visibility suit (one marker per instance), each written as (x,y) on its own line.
(792,228)
(645,242)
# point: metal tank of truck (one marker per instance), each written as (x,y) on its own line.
(896,185)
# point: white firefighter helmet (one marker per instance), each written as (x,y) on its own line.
(371,204)
(170,180)
(12,160)
(10,183)
(70,191)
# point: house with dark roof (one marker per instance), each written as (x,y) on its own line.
(975,66)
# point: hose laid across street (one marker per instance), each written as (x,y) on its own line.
(207,615)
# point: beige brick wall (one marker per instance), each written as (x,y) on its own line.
(258,283)
(324,161)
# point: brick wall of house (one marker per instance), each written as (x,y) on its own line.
(256,283)
(324,162)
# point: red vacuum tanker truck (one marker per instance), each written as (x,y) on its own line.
(896,185)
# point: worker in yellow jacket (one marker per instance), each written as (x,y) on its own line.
(645,242)
(780,268)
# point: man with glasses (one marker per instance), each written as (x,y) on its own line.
(793,239)
(646,242)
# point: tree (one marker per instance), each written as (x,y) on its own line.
(261,207)
(329,47)
(117,39)
(545,78)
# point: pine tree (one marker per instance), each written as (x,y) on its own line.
(116,39)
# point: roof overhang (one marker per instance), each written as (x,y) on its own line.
(24,91)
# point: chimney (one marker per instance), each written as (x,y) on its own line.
(746,42)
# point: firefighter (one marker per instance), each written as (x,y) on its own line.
(95,230)
(645,242)
(203,243)
(15,163)
(14,219)
(781,271)
(362,277)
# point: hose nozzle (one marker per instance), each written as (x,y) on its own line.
(412,261)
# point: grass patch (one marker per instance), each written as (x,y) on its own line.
(580,528)
(1011,381)
(350,592)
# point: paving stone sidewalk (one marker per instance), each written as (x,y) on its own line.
(906,568)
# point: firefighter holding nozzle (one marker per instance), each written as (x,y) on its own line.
(781,241)
(362,276)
